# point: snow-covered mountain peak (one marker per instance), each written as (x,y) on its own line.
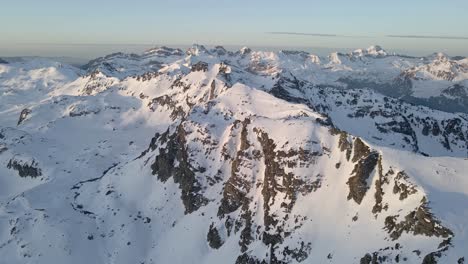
(441,67)
(377,51)
(438,56)
(197,50)
(374,51)
(315,59)
(163,51)
(219,51)
(294,54)
(245,50)
(334,57)
(251,157)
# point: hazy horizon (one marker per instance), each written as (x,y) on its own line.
(82,53)
(89,29)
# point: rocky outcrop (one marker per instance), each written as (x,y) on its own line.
(420,221)
(358,183)
(379,192)
(24,114)
(97,82)
(344,144)
(213,237)
(177,111)
(402,186)
(79,110)
(25,168)
(246,259)
(200,66)
(147,76)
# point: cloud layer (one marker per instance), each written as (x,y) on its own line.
(305,34)
(388,36)
(426,37)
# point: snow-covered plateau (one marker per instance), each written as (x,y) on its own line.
(214,156)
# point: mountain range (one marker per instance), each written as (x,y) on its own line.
(217,156)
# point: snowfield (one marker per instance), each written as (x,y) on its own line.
(213,156)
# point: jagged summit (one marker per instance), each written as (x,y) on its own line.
(335,57)
(298,53)
(164,51)
(245,50)
(219,50)
(197,50)
(375,51)
(416,80)
(437,57)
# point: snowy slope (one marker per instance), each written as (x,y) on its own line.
(213,156)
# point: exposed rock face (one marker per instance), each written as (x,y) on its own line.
(25,169)
(379,184)
(345,145)
(367,259)
(147,76)
(200,66)
(220,51)
(24,114)
(419,222)
(79,111)
(366,162)
(183,173)
(403,188)
(213,238)
(97,82)
(358,185)
(246,259)
(166,101)
(239,185)
(361,150)
(285,83)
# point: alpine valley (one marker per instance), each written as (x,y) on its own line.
(214,156)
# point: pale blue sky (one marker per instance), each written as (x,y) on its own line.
(54,27)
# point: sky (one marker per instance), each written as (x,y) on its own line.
(88,28)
